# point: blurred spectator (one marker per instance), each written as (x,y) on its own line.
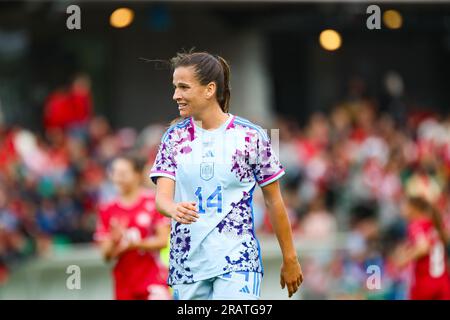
(69,107)
(319,223)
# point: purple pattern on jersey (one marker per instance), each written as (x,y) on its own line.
(240,166)
(239,223)
(239,220)
(165,160)
(186,150)
(244,161)
(231,125)
(257,159)
(268,165)
(180,244)
(177,141)
(247,259)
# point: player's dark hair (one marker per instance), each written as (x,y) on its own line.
(424,206)
(137,163)
(208,68)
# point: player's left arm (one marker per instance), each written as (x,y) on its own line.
(291,272)
(157,242)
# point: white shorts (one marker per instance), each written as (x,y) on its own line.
(238,285)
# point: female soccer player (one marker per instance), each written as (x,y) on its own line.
(131,231)
(426,250)
(206,171)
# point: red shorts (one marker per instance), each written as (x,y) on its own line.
(431,290)
(152,292)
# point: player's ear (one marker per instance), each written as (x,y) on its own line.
(210,90)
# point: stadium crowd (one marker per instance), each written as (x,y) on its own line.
(347,170)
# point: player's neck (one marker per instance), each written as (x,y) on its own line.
(417,217)
(212,118)
(130,198)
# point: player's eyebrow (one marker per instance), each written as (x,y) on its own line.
(180,84)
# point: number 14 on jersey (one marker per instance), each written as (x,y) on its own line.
(214,200)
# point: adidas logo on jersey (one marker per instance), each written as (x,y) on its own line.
(245,290)
(208,154)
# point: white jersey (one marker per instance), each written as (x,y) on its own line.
(218,169)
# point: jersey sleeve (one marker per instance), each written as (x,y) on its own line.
(267,167)
(164,165)
(416,231)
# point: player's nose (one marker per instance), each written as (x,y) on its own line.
(176,95)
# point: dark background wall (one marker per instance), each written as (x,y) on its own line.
(301,77)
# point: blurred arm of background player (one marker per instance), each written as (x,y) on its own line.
(110,244)
(117,243)
(157,242)
(183,212)
(407,253)
(291,273)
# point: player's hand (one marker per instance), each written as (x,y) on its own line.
(185,212)
(121,248)
(116,230)
(291,275)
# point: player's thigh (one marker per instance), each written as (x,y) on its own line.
(200,290)
(239,285)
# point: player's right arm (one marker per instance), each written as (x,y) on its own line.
(182,212)
(411,252)
(108,235)
(108,247)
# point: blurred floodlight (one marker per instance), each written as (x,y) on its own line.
(330,40)
(121,18)
(392,19)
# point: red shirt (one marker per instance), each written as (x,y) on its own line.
(57,110)
(64,109)
(135,270)
(82,105)
(430,279)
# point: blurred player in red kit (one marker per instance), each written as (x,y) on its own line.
(426,250)
(131,231)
